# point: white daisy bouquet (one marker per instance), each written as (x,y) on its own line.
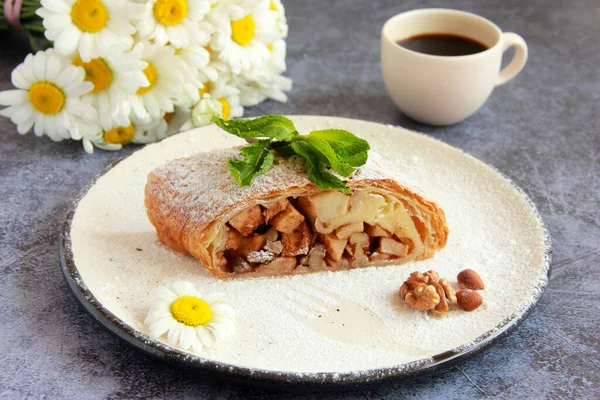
(125,71)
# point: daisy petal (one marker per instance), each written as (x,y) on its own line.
(85,47)
(81,110)
(39,65)
(38,127)
(56,21)
(52,68)
(70,74)
(160,327)
(174,334)
(222,309)
(188,336)
(166,294)
(79,88)
(183,288)
(26,126)
(19,80)
(197,347)
(22,112)
(55,6)
(89,148)
(12,97)
(50,128)
(205,336)
(67,42)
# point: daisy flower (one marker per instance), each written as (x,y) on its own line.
(196,59)
(116,79)
(173,121)
(261,83)
(216,99)
(47,95)
(112,139)
(276,60)
(243,33)
(276,6)
(93,135)
(150,132)
(93,28)
(171,21)
(262,86)
(189,319)
(165,73)
(202,112)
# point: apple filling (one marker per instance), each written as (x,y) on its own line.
(328,230)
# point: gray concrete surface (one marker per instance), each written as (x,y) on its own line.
(541,129)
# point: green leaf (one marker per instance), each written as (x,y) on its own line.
(349,148)
(268,126)
(283,148)
(317,170)
(257,160)
(328,156)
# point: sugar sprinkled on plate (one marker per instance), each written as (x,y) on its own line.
(279,328)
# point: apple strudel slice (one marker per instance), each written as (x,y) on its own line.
(283,224)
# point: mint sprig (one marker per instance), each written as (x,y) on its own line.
(256,160)
(324,150)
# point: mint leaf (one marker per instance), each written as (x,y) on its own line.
(324,150)
(268,126)
(349,148)
(257,160)
(328,155)
(283,148)
(317,171)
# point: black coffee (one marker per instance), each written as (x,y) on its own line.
(442,44)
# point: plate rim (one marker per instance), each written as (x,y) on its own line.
(160,350)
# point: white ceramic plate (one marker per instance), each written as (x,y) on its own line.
(337,328)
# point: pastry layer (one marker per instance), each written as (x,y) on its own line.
(282,224)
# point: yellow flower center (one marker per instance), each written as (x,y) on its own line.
(191,311)
(119,135)
(270,47)
(208,48)
(170,12)
(273,6)
(151,75)
(89,15)
(204,89)
(226,110)
(167,117)
(46,97)
(97,71)
(242,30)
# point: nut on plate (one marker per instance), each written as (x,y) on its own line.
(425,291)
(469,279)
(422,297)
(469,300)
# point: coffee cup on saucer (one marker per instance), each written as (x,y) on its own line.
(440,65)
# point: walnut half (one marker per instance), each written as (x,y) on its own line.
(422,297)
(425,291)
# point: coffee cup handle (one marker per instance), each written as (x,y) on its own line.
(515,66)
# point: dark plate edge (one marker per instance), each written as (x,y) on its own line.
(339,380)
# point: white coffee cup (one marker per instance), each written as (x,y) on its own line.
(444,90)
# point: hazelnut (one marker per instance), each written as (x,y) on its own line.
(469,279)
(469,300)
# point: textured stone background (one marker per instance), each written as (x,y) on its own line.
(542,130)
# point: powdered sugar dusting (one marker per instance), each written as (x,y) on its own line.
(306,323)
(202,187)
